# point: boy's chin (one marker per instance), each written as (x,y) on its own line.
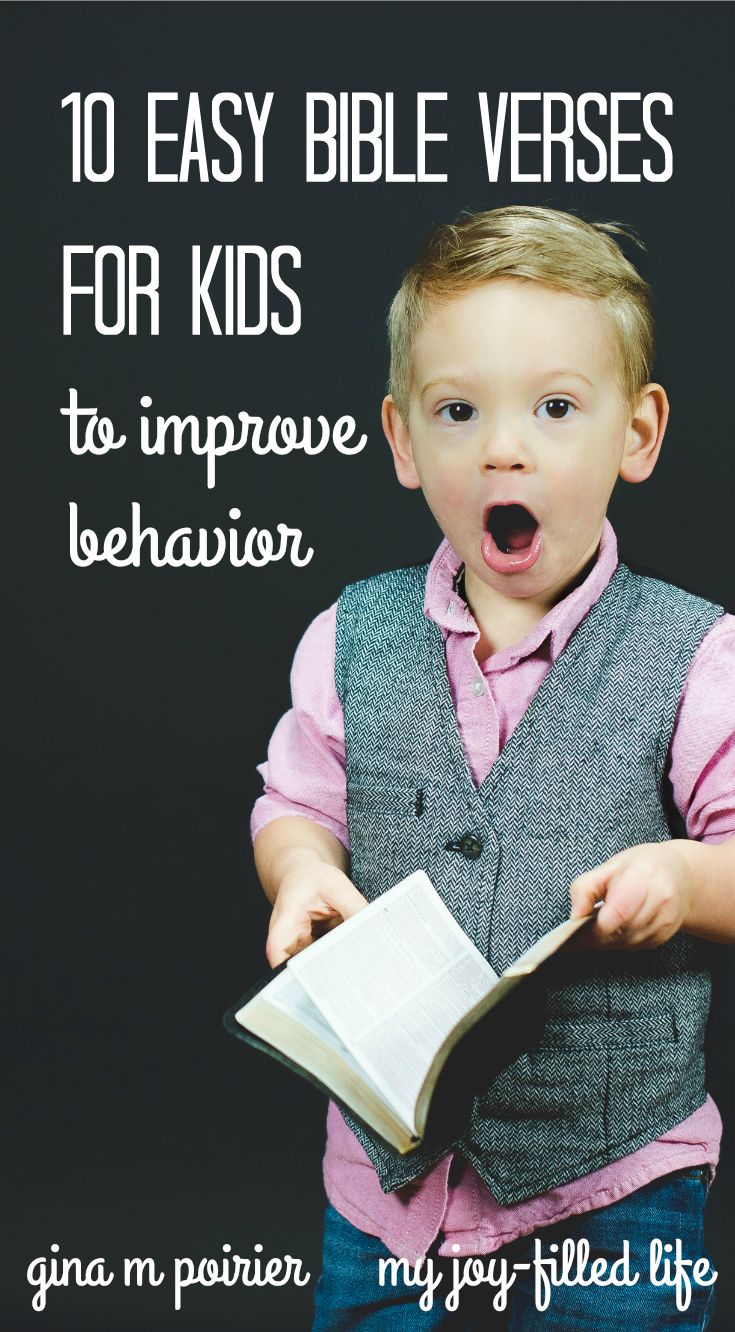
(519,586)
(544,581)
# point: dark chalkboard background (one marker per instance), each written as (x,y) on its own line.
(139,701)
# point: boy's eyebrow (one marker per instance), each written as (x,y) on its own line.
(571,374)
(470,380)
(460,379)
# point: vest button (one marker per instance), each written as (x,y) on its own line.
(470,846)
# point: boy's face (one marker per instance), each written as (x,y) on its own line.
(517,431)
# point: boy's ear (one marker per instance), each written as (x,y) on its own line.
(644,434)
(396,433)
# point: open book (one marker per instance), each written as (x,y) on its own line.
(372,1011)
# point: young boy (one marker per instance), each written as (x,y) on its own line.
(524,715)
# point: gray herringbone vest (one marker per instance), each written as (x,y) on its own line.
(620,1060)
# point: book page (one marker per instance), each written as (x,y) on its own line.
(393,981)
(287,994)
(283,1015)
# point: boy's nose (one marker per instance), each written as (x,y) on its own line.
(504,451)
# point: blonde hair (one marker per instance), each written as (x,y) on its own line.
(543,245)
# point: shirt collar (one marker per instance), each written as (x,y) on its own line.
(444,604)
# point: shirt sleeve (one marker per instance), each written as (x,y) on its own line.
(702,752)
(305,770)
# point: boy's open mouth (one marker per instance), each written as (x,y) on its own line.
(512,538)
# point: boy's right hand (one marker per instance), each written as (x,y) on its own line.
(311,900)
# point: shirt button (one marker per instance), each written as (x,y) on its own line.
(478,687)
(471,847)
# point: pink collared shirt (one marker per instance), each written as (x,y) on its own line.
(305,774)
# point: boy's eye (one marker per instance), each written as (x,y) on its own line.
(556,409)
(456,412)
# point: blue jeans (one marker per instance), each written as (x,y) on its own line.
(349,1296)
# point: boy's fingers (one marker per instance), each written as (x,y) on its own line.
(584,893)
(346,898)
(283,941)
(289,933)
(589,888)
(275,955)
(624,900)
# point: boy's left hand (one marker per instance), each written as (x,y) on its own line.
(646,891)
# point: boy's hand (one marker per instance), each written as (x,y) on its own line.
(647,894)
(311,900)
